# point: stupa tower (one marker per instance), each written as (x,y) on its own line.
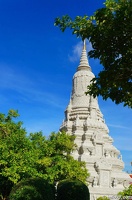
(84,119)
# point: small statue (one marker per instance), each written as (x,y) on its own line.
(114,183)
(106,153)
(94,182)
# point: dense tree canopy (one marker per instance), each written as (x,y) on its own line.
(110,32)
(33,155)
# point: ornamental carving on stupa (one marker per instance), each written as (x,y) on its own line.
(84,119)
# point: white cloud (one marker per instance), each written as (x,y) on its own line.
(76,52)
(26,89)
(88,46)
(13,79)
(118,126)
(77,49)
(123,143)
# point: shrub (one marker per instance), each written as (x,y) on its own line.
(103,198)
(126,193)
(32,189)
(72,190)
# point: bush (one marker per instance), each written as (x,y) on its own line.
(126,193)
(32,189)
(103,198)
(72,190)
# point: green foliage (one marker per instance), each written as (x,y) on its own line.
(62,165)
(23,156)
(54,160)
(72,190)
(126,193)
(110,32)
(103,198)
(16,153)
(32,189)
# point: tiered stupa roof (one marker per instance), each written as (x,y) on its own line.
(84,119)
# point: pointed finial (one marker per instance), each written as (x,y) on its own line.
(84,65)
(84,44)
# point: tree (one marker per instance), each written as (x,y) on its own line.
(62,165)
(54,158)
(126,193)
(110,32)
(33,155)
(17,156)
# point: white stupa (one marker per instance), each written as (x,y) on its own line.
(84,119)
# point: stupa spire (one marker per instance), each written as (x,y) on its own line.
(84,64)
(84,119)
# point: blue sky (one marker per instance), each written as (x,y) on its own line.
(38,61)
